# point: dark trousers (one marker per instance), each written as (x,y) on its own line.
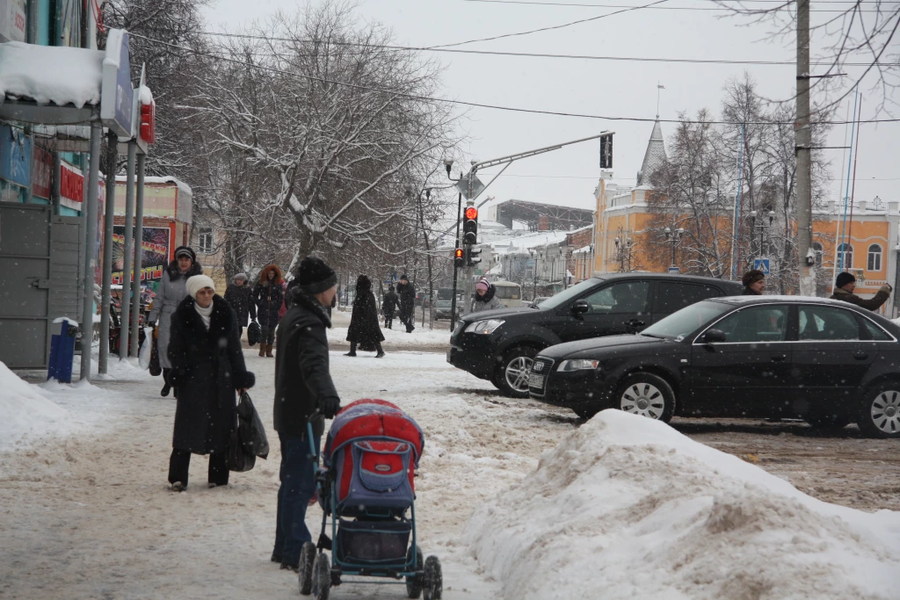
(377,347)
(267,334)
(388,319)
(180,461)
(298,486)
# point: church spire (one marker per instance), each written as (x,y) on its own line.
(654,157)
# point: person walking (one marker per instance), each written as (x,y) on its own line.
(389,306)
(170,294)
(268,295)
(207,371)
(304,393)
(364,330)
(845,285)
(485,297)
(754,282)
(237,295)
(407,293)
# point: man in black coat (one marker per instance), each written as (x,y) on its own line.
(207,370)
(304,393)
(364,330)
(237,295)
(845,285)
(389,306)
(407,293)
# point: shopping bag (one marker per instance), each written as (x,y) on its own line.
(237,457)
(253,333)
(253,434)
(146,350)
(155,367)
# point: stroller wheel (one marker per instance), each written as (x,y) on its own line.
(434,581)
(321,577)
(415,583)
(307,558)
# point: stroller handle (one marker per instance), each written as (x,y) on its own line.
(313,452)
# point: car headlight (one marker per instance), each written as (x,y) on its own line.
(578,364)
(485,327)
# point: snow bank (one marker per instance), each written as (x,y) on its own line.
(25,410)
(631,507)
(50,74)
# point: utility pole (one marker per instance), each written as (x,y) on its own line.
(803,142)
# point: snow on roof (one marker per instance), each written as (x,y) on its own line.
(51,74)
(182,186)
(146,95)
(632,507)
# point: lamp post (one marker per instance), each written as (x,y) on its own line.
(623,250)
(534,257)
(674,236)
(448,164)
(761,227)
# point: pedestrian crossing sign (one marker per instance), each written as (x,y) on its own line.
(761,264)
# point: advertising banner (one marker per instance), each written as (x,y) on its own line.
(154,257)
(13,20)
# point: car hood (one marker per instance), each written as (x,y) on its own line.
(599,344)
(500,313)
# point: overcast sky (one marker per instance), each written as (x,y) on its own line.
(594,87)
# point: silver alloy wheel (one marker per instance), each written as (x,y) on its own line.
(885,411)
(643,399)
(516,373)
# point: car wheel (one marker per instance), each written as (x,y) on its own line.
(879,415)
(511,376)
(829,422)
(647,395)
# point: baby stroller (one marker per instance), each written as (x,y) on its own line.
(366,486)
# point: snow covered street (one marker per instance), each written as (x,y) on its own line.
(629,506)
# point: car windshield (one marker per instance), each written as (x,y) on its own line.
(687,320)
(570,293)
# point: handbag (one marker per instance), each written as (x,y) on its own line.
(253,333)
(155,367)
(248,440)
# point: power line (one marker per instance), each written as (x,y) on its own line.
(723,61)
(490,106)
(678,8)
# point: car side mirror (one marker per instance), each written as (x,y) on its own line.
(580,307)
(713,336)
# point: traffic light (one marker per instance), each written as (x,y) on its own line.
(459,259)
(606,151)
(473,257)
(470,225)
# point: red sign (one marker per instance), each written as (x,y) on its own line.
(40,177)
(148,122)
(71,184)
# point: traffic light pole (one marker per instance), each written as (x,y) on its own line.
(455,265)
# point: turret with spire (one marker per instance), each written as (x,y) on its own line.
(654,157)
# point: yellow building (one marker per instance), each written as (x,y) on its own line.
(625,238)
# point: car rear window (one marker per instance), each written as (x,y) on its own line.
(673,296)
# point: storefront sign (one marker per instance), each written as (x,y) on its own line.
(117,92)
(154,255)
(15,156)
(71,187)
(13,20)
(43,165)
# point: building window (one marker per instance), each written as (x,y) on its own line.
(844,257)
(205,241)
(874,258)
(817,248)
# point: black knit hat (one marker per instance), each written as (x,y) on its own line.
(402,277)
(185,251)
(314,276)
(843,279)
(752,276)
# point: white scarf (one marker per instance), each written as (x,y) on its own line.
(205,313)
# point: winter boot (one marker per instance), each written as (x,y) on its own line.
(269,351)
(262,349)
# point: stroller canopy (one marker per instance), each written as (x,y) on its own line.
(373,420)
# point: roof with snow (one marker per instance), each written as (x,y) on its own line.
(654,157)
(51,74)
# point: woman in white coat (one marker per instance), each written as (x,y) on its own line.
(171,292)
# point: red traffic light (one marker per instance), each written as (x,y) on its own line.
(471,213)
(459,253)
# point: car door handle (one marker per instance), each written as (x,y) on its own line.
(860,355)
(779,357)
(635,323)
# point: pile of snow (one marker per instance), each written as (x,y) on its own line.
(25,410)
(51,74)
(628,507)
(398,338)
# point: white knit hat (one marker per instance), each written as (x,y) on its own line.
(198,282)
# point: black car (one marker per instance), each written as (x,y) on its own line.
(499,345)
(825,361)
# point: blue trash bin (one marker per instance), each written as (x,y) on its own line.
(62,352)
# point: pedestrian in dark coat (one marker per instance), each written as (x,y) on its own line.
(268,295)
(304,393)
(364,330)
(389,306)
(170,294)
(754,282)
(407,293)
(207,370)
(237,295)
(845,285)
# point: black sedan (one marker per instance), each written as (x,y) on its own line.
(828,362)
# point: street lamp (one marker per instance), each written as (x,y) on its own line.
(623,250)
(761,227)
(674,236)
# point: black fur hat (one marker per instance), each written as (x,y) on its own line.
(314,275)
